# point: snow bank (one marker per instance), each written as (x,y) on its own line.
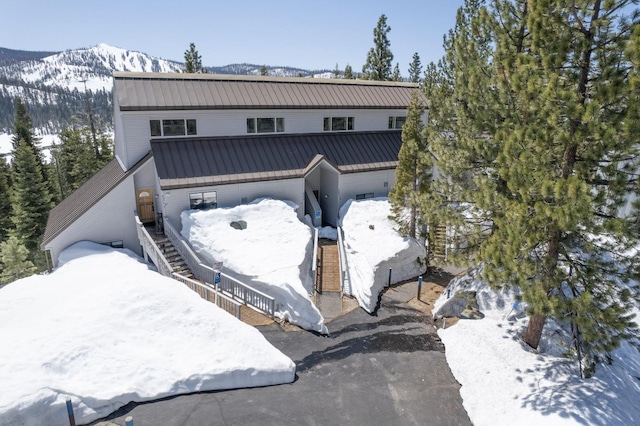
(273,254)
(373,246)
(504,382)
(105,330)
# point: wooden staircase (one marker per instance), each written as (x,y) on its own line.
(176,261)
(328,278)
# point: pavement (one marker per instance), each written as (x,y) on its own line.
(382,369)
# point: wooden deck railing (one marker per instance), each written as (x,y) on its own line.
(231,286)
(210,294)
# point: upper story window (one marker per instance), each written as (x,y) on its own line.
(335,124)
(265,125)
(173,127)
(397,122)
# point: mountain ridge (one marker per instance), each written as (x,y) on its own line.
(56,86)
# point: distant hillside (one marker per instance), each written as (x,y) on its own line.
(53,84)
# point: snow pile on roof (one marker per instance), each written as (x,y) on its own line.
(373,246)
(273,254)
(105,330)
(505,382)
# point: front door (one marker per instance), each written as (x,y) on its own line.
(144,201)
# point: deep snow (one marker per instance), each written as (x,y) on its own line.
(61,325)
(103,329)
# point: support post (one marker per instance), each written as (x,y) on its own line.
(72,418)
(419,286)
(128,421)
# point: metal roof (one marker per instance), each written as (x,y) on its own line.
(190,162)
(164,91)
(83,198)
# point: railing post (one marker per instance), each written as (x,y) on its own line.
(72,418)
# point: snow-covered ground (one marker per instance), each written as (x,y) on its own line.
(273,254)
(46,141)
(505,383)
(97,330)
(103,329)
(373,246)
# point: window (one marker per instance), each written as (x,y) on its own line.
(114,244)
(173,127)
(203,200)
(336,124)
(265,125)
(364,196)
(397,122)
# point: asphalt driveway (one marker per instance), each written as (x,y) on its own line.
(386,369)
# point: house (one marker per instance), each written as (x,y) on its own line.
(188,141)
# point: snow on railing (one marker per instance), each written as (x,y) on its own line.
(152,251)
(345,285)
(314,264)
(224,282)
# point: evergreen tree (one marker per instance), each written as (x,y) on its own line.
(263,70)
(14,261)
(379,58)
(534,137)
(415,69)
(5,200)
(31,199)
(413,174)
(348,72)
(336,71)
(193,61)
(75,160)
(396,73)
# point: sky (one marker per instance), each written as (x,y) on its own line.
(304,34)
(42,366)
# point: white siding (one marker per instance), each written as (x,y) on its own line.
(110,219)
(352,184)
(132,128)
(175,201)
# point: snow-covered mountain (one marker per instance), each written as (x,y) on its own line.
(53,85)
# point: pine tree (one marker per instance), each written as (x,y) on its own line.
(348,72)
(263,70)
(415,69)
(539,149)
(379,58)
(193,61)
(396,73)
(336,71)
(5,200)
(413,174)
(14,261)
(31,199)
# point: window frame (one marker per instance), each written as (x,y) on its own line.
(158,127)
(393,122)
(329,123)
(365,196)
(253,125)
(203,200)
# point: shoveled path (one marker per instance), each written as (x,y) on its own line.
(388,369)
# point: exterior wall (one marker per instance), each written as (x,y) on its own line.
(110,219)
(352,184)
(175,201)
(330,194)
(133,132)
(118,134)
